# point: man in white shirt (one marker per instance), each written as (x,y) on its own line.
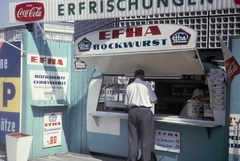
(139,98)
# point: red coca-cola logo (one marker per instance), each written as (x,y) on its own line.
(29,11)
(237,1)
(232,67)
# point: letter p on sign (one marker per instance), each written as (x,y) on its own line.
(9,92)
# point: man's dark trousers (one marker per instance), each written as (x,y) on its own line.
(140,127)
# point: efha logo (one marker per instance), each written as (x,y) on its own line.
(237,1)
(52,118)
(80,65)
(84,45)
(29,11)
(180,37)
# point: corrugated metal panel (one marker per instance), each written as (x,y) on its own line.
(154,7)
(13,34)
(86,26)
(208,24)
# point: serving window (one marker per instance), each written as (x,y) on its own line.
(172,94)
(113,92)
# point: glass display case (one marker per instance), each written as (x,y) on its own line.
(114,97)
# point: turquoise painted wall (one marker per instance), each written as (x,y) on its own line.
(73,107)
(195,144)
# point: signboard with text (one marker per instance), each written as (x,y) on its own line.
(71,10)
(48,85)
(10,65)
(234,132)
(137,39)
(9,124)
(167,141)
(52,131)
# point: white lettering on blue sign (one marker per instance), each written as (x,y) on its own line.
(7,126)
(180,37)
(3,63)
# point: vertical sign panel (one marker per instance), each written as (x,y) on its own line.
(167,141)
(10,60)
(52,132)
(234,136)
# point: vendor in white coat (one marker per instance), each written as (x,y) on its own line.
(200,94)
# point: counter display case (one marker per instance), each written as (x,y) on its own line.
(114,97)
(172,97)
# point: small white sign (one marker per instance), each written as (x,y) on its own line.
(48,85)
(52,129)
(234,132)
(167,141)
(79,65)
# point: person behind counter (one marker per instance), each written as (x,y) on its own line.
(139,98)
(200,94)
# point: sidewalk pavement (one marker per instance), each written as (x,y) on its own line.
(3,156)
(69,157)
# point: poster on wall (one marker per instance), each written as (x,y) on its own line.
(216,89)
(234,142)
(52,131)
(48,85)
(167,141)
(10,82)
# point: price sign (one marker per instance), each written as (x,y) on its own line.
(167,141)
(52,130)
(234,135)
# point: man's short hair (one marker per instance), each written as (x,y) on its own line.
(139,72)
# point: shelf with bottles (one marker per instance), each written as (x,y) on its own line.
(183,90)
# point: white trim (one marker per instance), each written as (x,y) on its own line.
(160,118)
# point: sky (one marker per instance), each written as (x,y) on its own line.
(4,15)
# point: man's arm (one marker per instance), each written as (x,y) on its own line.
(152,95)
(155,102)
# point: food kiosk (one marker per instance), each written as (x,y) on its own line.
(168,55)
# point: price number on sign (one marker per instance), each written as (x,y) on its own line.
(53,140)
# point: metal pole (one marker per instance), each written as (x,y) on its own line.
(13,45)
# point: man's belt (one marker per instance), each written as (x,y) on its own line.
(139,107)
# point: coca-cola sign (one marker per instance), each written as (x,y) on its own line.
(237,1)
(29,11)
(232,67)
